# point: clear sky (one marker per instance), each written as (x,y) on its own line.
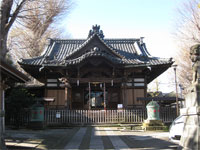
(152,19)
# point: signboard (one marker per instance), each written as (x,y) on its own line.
(119,106)
(57,114)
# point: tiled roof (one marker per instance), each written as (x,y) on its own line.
(10,73)
(62,52)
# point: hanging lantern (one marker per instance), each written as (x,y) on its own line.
(100,85)
(77,82)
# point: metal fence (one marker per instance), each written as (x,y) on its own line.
(65,117)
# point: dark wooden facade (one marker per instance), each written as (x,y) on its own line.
(96,73)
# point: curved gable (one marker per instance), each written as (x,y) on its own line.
(89,46)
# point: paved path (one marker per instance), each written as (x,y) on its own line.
(113,138)
(89,138)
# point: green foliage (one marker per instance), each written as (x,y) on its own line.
(17,102)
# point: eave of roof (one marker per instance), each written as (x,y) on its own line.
(13,71)
(127,52)
(159,98)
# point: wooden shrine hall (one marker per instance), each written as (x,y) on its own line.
(95,73)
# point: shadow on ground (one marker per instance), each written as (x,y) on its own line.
(59,138)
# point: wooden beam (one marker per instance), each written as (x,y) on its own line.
(98,70)
(86,80)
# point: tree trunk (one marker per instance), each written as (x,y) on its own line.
(7,18)
(6,6)
(3,44)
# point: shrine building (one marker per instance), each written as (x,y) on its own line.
(96,72)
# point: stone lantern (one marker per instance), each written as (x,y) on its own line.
(37,117)
(153,111)
(153,121)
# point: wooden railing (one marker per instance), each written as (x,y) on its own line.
(94,116)
(53,117)
(66,117)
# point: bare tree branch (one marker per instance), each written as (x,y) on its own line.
(38,24)
(188,33)
(14,15)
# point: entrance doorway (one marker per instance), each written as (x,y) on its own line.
(96,98)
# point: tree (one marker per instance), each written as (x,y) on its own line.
(188,34)
(28,37)
(154,90)
(18,101)
(35,15)
(14,11)
(8,16)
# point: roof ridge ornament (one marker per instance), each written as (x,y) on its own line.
(141,40)
(96,30)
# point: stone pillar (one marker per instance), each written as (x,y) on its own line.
(190,139)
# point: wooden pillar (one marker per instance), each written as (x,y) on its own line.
(57,98)
(68,93)
(3,110)
(89,95)
(66,97)
(2,106)
(104,95)
(2,115)
(124,89)
(70,97)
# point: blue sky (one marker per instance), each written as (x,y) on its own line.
(152,19)
(137,14)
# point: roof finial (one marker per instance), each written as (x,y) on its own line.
(141,40)
(96,30)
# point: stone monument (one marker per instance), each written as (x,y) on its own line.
(190,139)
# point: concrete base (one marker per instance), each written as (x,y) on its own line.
(190,139)
(37,125)
(153,125)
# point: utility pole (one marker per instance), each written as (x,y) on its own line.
(177,104)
